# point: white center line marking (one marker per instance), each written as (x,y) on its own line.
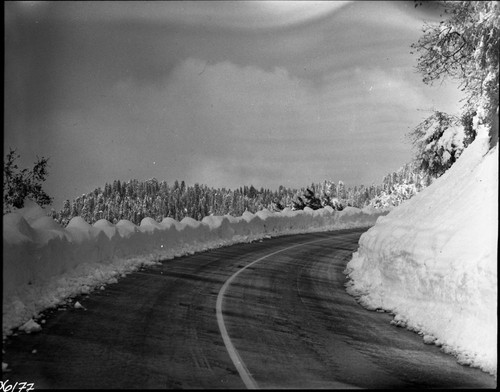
(245,375)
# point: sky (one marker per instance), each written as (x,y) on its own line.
(225,94)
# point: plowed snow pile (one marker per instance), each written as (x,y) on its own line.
(44,263)
(432,261)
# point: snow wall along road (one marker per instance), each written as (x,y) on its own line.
(432,261)
(45,263)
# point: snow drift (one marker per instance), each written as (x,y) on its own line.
(45,263)
(432,261)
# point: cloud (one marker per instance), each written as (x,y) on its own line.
(244,15)
(289,12)
(392,87)
(225,125)
(254,123)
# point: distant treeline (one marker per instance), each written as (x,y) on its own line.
(134,200)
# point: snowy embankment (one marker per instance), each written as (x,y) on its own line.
(45,263)
(432,261)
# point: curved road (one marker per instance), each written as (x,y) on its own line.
(270,314)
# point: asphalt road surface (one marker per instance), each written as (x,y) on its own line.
(270,314)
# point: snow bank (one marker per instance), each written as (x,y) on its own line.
(433,260)
(44,263)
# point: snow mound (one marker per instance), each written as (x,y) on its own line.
(16,229)
(432,261)
(107,227)
(31,211)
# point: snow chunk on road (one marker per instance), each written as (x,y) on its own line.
(30,326)
(78,305)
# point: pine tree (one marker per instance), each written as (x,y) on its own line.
(65,215)
(439,141)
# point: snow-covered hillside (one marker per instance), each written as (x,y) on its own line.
(432,261)
(45,263)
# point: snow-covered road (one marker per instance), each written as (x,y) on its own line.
(288,316)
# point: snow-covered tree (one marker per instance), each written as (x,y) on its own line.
(341,191)
(65,214)
(19,184)
(395,196)
(439,141)
(336,204)
(465,47)
(134,200)
(308,199)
